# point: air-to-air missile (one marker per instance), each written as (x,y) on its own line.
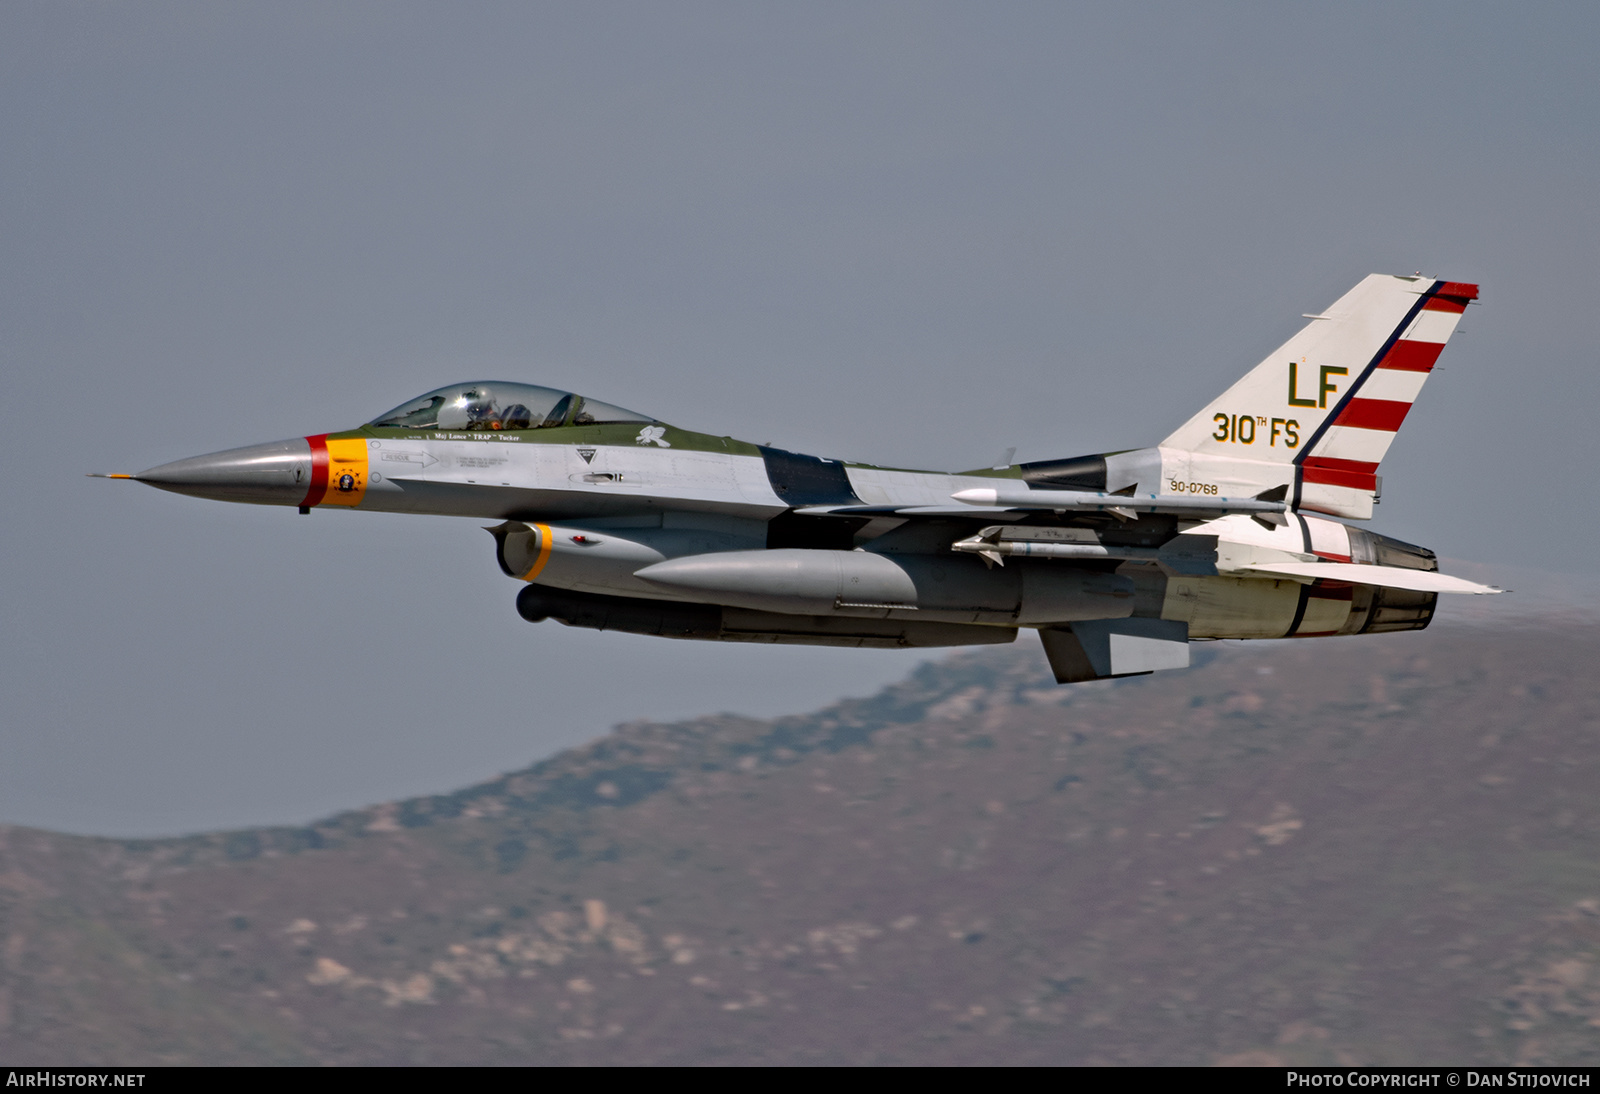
(1232,527)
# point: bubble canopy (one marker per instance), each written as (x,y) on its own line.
(498,406)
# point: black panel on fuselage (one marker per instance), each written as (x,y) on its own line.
(1078,473)
(807,480)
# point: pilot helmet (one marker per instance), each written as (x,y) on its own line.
(478,403)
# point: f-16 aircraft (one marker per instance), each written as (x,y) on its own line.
(614,520)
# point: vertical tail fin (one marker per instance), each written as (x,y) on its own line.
(1318,415)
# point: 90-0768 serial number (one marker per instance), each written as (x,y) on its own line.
(1191,487)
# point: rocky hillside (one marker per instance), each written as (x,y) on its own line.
(1375,850)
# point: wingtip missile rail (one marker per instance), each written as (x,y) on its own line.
(1125,505)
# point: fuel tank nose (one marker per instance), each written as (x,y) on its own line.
(278,473)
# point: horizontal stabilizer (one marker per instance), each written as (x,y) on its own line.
(1389,577)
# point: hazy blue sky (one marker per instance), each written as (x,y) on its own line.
(912,233)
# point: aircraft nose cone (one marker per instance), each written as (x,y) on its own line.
(278,473)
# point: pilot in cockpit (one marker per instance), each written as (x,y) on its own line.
(515,416)
(502,406)
(478,406)
(481,413)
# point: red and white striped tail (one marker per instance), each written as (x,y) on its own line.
(1339,469)
(1318,414)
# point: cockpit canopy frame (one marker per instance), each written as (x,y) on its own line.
(502,406)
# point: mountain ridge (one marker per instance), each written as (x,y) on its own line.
(1232,863)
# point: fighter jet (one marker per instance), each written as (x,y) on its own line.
(1234,526)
